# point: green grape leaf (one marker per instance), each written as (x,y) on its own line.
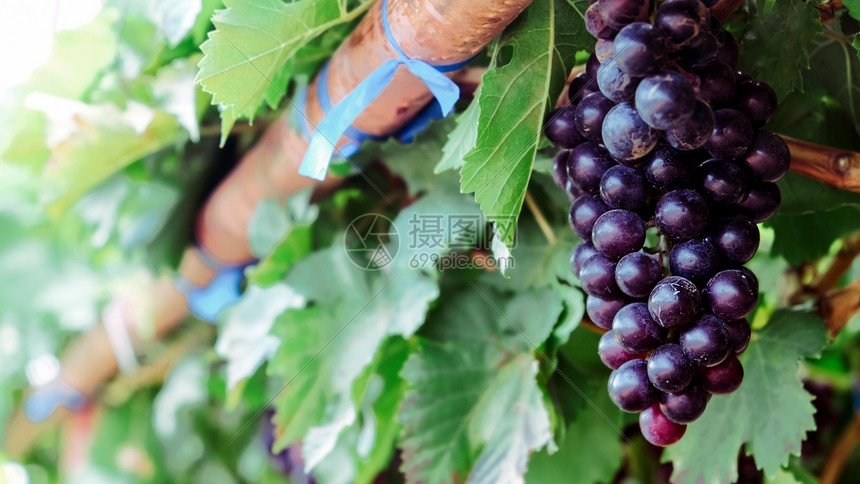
(474,407)
(462,139)
(514,101)
(770,413)
(817,230)
(803,195)
(252,41)
(853,7)
(775,45)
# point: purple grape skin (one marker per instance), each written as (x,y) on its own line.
(670,369)
(618,13)
(587,164)
(635,330)
(561,130)
(624,187)
(681,214)
(629,387)
(617,233)
(730,295)
(732,136)
(735,238)
(769,158)
(597,277)
(596,25)
(751,276)
(601,311)
(724,378)
(665,100)
(729,48)
(612,354)
(668,169)
(657,429)
(614,83)
(584,212)
(603,49)
(573,190)
(579,87)
(756,100)
(674,302)
(723,182)
(761,203)
(696,260)
(626,135)
(559,168)
(706,341)
(739,333)
(582,252)
(640,49)
(681,20)
(685,406)
(592,65)
(696,132)
(637,273)
(699,50)
(709,3)
(590,113)
(716,83)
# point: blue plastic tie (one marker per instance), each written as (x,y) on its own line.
(44,401)
(225,289)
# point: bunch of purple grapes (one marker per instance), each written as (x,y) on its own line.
(664,135)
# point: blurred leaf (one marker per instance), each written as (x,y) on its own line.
(176,18)
(853,7)
(271,223)
(175,93)
(462,139)
(803,195)
(817,231)
(771,412)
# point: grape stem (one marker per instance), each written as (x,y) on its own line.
(837,307)
(835,167)
(841,452)
(840,265)
(541,219)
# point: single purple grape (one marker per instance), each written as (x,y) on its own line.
(612,354)
(716,83)
(582,252)
(696,260)
(729,48)
(665,100)
(614,83)
(561,129)
(699,50)
(559,168)
(756,100)
(685,406)
(670,369)
(696,132)
(586,165)
(668,169)
(722,182)
(603,49)
(580,86)
(596,26)
(629,387)
(592,65)
(730,295)
(624,187)
(658,429)
(732,136)
(739,332)
(619,13)
(761,202)
(626,135)
(724,378)
(674,302)
(681,214)
(640,49)
(602,311)
(597,277)
(735,238)
(635,330)
(681,20)
(637,273)
(769,158)
(706,341)
(749,275)
(584,212)
(590,113)
(617,233)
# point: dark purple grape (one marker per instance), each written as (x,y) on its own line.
(612,354)
(769,158)
(635,330)
(729,49)
(736,239)
(603,49)
(584,212)
(695,259)
(723,182)
(592,65)
(699,50)
(755,100)
(629,387)
(580,86)
(682,214)
(573,190)
(739,332)
(640,49)
(674,302)
(559,169)
(685,406)
(696,132)
(597,277)
(617,233)
(709,3)
(730,295)
(596,26)
(761,202)
(590,113)
(626,135)
(751,276)
(724,378)
(561,130)
(669,169)
(665,100)
(614,83)
(659,430)
(582,252)
(636,274)
(706,341)
(587,164)
(602,311)
(624,187)
(732,136)
(681,20)
(716,83)
(618,13)
(670,369)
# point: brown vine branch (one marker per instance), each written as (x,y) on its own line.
(725,8)
(840,265)
(534,208)
(835,167)
(841,452)
(839,306)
